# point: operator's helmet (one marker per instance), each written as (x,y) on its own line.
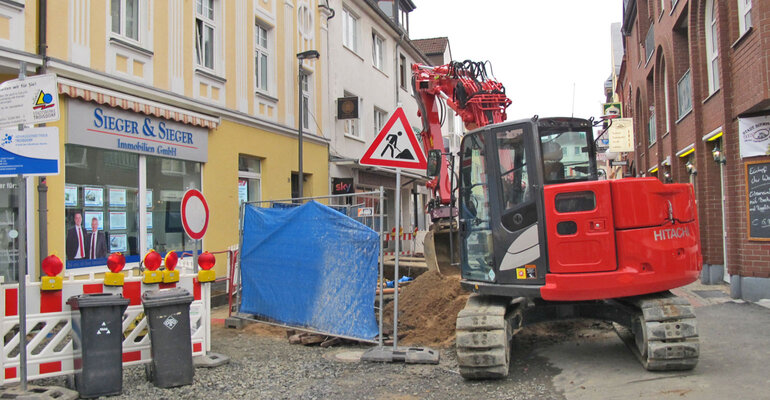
(552,151)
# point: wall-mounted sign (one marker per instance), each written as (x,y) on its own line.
(32,100)
(755,136)
(347,107)
(615,109)
(342,185)
(110,128)
(621,135)
(33,151)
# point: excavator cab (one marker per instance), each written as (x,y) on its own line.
(503,170)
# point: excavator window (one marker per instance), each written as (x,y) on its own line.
(565,155)
(474,210)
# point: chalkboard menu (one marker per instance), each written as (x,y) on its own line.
(758,197)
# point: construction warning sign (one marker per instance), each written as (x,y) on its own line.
(395,146)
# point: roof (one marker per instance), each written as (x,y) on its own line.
(431,46)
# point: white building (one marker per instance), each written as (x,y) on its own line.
(370,56)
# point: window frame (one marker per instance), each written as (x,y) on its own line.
(378,51)
(350,32)
(206,21)
(652,131)
(122,19)
(712,47)
(307,98)
(679,92)
(379,118)
(744,11)
(402,71)
(262,52)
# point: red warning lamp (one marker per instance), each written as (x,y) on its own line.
(171,260)
(206,261)
(52,265)
(152,260)
(116,261)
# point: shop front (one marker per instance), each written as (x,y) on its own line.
(124,177)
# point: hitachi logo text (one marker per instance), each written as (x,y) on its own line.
(673,233)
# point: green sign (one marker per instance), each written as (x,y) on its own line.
(615,109)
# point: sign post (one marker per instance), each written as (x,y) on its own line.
(195,219)
(396,146)
(23,152)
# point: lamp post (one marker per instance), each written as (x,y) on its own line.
(305,55)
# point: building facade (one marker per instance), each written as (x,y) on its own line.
(158,97)
(370,57)
(695,80)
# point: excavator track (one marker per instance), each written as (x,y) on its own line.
(483,338)
(663,333)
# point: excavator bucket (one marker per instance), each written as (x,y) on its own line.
(437,247)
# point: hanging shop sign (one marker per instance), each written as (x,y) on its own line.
(612,109)
(110,128)
(32,151)
(342,185)
(621,135)
(755,136)
(29,101)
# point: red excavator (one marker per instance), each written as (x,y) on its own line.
(541,238)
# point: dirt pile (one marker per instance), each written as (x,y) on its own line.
(427,310)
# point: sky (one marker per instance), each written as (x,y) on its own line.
(540,50)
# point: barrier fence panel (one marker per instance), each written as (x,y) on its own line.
(324,285)
(50,350)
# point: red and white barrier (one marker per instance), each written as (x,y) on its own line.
(407,242)
(50,349)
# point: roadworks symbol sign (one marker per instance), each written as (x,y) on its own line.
(396,146)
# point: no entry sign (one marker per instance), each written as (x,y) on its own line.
(195,214)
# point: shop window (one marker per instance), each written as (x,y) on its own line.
(249,179)
(9,221)
(102,186)
(167,180)
(101,193)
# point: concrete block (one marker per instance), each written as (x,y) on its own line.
(735,286)
(705,276)
(754,289)
(717,273)
(210,360)
(234,322)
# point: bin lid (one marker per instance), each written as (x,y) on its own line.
(164,297)
(97,300)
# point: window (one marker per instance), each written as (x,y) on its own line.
(249,179)
(744,16)
(665,97)
(684,94)
(652,134)
(306,104)
(403,18)
(261,58)
(205,27)
(349,30)
(378,54)
(351,125)
(662,6)
(712,48)
(125,18)
(649,43)
(402,71)
(380,117)
(102,188)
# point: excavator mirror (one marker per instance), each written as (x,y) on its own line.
(434,162)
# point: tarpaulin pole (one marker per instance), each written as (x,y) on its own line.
(395,270)
(381,277)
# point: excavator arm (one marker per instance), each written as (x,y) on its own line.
(466,88)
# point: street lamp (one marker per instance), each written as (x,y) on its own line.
(305,55)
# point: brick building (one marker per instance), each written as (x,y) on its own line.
(694,77)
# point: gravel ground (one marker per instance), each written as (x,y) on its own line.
(266,366)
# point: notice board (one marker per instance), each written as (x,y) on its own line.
(758,199)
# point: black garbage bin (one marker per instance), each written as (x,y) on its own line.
(168,316)
(97,323)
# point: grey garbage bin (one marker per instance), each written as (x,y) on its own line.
(168,316)
(97,323)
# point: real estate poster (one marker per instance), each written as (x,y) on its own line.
(70,196)
(117,220)
(117,197)
(118,242)
(94,196)
(90,215)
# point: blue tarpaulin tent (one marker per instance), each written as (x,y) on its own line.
(310,267)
